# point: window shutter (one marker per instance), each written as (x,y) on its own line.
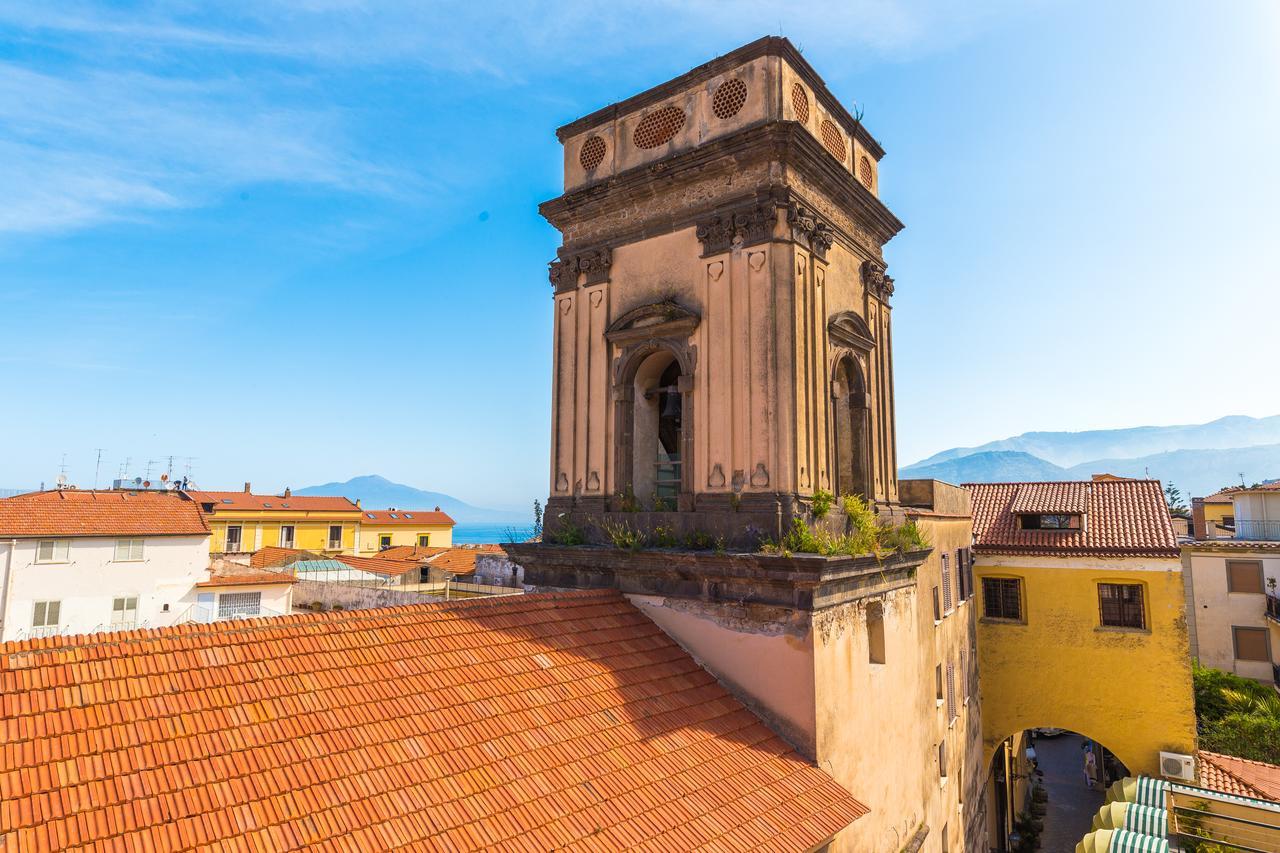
(951,691)
(946,584)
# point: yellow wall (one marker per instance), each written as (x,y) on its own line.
(441,535)
(1128,689)
(311,530)
(1216,512)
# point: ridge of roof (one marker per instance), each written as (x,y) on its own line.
(92,513)
(555,720)
(1234,775)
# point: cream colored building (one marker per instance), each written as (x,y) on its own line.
(1233,598)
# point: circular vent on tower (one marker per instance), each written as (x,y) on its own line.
(658,128)
(799,103)
(592,153)
(833,139)
(729,98)
(864,171)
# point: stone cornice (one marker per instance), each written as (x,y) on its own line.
(781,142)
(593,263)
(748,225)
(876,282)
(767,46)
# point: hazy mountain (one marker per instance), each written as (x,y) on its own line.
(1074,448)
(1195,472)
(376,492)
(990,466)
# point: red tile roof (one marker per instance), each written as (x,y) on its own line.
(539,722)
(411,553)
(410,517)
(271,555)
(1122,518)
(71,512)
(249,579)
(1241,776)
(275,503)
(378,564)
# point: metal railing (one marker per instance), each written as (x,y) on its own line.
(71,630)
(1266,531)
(1273,607)
(205,614)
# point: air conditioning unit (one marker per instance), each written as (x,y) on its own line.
(1175,765)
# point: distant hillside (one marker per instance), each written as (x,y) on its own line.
(1073,448)
(376,492)
(991,466)
(1195,472)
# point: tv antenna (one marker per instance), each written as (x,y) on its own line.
(97,467)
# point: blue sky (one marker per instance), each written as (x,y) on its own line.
(299,241)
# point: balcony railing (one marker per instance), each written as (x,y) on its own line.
(1267,531)
(1273,607)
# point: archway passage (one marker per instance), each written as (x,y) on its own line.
(658,429)
(1047,783)
(851,414)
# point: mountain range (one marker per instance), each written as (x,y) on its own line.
(1198,458)
(375,492)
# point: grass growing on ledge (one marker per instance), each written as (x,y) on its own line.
(565,533)
(864,536)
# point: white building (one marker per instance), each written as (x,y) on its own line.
(81,561)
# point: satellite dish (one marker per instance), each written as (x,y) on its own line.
(62,480)
(164,478)
(146,484)
(137,481)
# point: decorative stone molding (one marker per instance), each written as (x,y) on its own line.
(593,264)
(877,283)
(746,226)
(849,330)
(808,229)
(666,319)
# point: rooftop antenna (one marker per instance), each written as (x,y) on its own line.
(96,468)
(1241,475)
(169,470)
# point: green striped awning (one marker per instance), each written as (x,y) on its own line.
(1124,841)
(1146,820)
(1150,792)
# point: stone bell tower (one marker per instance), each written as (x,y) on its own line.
(722,344)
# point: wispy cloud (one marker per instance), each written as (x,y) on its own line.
(109,114)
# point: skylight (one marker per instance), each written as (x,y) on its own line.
(393,515)
(371,515)
(408,515)
(226,500)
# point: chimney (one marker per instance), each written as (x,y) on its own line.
(357,503)
(246,488)
(287,493)
(437,509)
(1197,519)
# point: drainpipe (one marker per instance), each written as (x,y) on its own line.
(4,589)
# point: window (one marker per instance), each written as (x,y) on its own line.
(235,604)
(942,761)
(124,611)
(384,542)
(875,632)
(1002,598)
(424,539)
(233,538)
(128,550)
(964,675)
(53,551)
(947,604)
(1244,576)
(1050,521)
(46,614)
(964,565)
(937,606)
(952,713)
(286,536)
(1121,605)
(946,845)
(937,677)
(962,592)
(335,537)
(1251,644)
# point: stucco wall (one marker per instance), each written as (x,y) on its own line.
(1216,610)
(353,597)
(1129,689)
(441,535)
(89,580)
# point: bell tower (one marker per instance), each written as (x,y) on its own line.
(722,343)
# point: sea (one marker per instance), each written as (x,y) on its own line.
(471,534)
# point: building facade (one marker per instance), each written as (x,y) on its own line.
(1232,599)
(379,530)
(240,523)
(84,561)
(1083,624)
(722,371)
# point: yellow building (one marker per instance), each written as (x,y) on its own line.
(1214,517)
(389,528)
(242,522)
(1082,621)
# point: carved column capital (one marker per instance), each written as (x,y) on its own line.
(592,263)
(745,226)
(876,281)
(808,229)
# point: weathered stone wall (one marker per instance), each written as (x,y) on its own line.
(351,597)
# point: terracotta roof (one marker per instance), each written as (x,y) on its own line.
(272,555)
(1232,544)
(1122,518)
(378,564)
(410,517)
(71,512)
(1222,496)
(553,721)
(461,560)
(245,500)
(249,579)
(1241,776)
(412,553)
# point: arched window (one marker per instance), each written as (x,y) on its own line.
(851,416)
